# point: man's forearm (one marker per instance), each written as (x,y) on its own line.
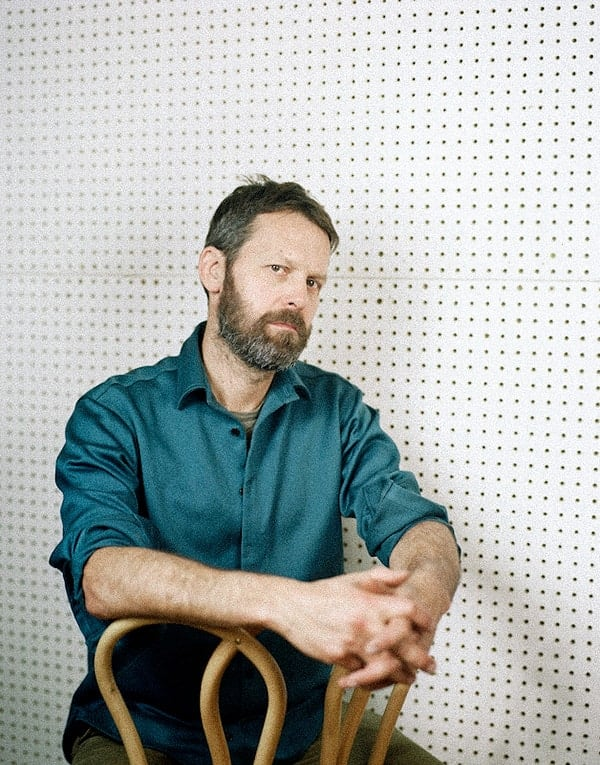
(132,581)
(332,620)
(428,551)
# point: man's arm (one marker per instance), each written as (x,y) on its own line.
(429,552)
(428,556)
(332,620)
(137,581)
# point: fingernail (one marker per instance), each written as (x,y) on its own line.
(431,667)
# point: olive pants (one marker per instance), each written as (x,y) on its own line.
(94,749)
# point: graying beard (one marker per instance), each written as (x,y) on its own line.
(258,352)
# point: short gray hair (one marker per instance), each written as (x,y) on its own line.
(231,224)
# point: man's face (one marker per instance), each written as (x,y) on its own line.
(271,292)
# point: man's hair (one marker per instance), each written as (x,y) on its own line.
(231,224)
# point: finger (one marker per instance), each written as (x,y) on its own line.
(381,579)
(402,607)
(403,625)
(417,653)
(418,659)
(352,663)
(383,670)
(406,650)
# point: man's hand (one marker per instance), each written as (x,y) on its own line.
(429,552)
(401,648)
(379,624)
(370,622)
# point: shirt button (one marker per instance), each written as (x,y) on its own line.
(235,431)
(241,491)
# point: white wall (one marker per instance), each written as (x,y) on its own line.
(456,146)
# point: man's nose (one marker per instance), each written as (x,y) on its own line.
(296,293)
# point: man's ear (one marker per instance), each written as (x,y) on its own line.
(211,269)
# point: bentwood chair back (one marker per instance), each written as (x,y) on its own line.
(340,723)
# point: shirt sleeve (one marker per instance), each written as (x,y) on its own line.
(385,500)
(98,473)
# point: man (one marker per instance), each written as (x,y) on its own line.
(209,487)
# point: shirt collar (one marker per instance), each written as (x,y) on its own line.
(192,381)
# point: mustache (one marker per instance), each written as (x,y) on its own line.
(286,317)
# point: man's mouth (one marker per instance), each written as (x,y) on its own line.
(284,325)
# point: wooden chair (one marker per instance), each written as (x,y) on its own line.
(339,726)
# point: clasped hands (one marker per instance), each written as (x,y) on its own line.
(372,623)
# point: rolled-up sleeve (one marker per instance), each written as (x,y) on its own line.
(98,473)
(385,500)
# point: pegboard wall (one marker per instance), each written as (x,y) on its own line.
(456,146)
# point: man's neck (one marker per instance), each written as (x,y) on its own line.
(235,385)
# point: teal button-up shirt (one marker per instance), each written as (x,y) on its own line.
(151,459)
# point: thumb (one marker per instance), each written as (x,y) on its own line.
(383,580)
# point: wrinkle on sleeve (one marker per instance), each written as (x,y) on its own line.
(385,500)
(98,474)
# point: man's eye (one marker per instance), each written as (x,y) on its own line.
(276,268)
(313,284)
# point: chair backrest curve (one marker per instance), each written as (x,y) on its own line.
(340,727)
(233,640)
(340,723)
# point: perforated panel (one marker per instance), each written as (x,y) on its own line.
(455,144)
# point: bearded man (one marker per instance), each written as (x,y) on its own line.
(210,488)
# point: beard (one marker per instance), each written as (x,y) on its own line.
(252,342)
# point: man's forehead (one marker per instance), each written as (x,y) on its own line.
(289,232)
